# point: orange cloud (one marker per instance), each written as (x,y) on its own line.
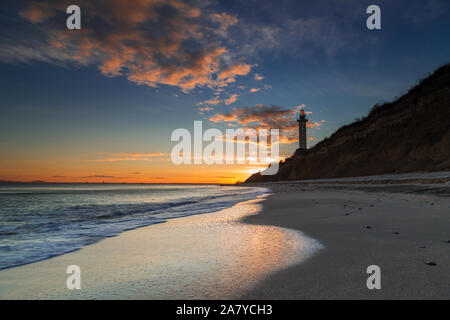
(225,20)
(255,89)
(204,109)
(313,124)
(233,71)
(223,118)
(216,100)
(231,99)
(37,12)
(213,101)
(265,117)
(116,37)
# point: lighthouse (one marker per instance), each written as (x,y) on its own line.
(302,130)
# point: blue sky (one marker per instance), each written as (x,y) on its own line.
(59,103)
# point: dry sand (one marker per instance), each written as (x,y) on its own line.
(337,218)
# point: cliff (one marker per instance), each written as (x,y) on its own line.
(411,134)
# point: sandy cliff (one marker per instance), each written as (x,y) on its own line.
(407,135)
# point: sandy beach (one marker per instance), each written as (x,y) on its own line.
(303,241)
(399,232)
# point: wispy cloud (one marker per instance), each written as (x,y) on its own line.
(123,156)
(217,100)
(231,99)
(318,27)
(224,21)
(204,109)
(99,176)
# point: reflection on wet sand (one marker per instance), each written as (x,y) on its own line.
(204,256)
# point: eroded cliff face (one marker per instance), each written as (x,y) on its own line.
(409,135)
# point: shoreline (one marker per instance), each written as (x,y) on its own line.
(406,230)
(398,232)
(100,221)
(196,257)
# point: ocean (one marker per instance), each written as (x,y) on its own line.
(40,221)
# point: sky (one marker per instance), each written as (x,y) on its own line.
(100,103)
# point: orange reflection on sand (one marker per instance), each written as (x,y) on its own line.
(209,256)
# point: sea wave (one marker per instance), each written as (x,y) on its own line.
(46,222)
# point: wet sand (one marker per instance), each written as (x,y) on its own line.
(405,231)
(207,256)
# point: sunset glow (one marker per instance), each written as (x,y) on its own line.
(99,104)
